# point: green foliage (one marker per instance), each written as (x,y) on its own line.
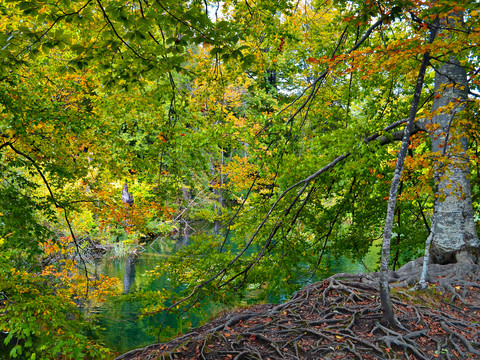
(40,323)
(209,114)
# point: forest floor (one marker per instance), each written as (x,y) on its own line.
(339,318)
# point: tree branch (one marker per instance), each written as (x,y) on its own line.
(222,272)
(388,316)
(116,33)
(323,75)
(55,202)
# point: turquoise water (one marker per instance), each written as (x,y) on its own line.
(123,327)
(125,330)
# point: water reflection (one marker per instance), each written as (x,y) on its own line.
(124,329)
(129,275)
(184,234)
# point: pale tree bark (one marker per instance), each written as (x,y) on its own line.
(388,316)
(127,198)
(454,237)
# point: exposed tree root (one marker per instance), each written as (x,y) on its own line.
(339,319)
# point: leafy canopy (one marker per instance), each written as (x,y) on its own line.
(220,111)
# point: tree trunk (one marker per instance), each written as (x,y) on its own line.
(219,198)
(388,317)
(454,237)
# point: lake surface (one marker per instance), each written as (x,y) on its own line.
(119,317)
(124,330)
